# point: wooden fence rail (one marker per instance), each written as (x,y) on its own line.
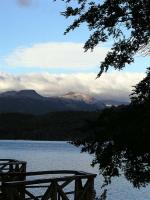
(66,185)
(9,167)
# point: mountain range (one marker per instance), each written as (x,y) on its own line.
(29,101)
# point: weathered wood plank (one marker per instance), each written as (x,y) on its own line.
(62,193)
(31,195)
(37,181)
(48,193)
(66,183)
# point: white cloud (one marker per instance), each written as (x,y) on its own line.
(116,86)
(55,54)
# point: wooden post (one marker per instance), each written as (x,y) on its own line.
(54,191)
(10,192)
(7,192)
(78,188)
(90,194)
(10,167)
(22,178)
(4,190)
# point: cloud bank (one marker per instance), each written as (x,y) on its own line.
(55,54)
(115,86)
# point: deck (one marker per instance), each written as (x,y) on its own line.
(17,184)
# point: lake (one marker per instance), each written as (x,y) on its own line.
(41,155)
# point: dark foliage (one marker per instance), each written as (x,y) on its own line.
(127,22)
(120,140)
(141,93)
(52,126)
(120,137)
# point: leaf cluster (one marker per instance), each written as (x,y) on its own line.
(119,140)
(141,92)
(127,22)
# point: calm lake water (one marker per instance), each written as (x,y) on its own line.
(61,155)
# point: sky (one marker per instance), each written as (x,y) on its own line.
(35,54)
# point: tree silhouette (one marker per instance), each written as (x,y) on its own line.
(119,140)
(127,22)
(141,93)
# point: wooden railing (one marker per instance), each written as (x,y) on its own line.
(42,185)
(10,165)
(8,168)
